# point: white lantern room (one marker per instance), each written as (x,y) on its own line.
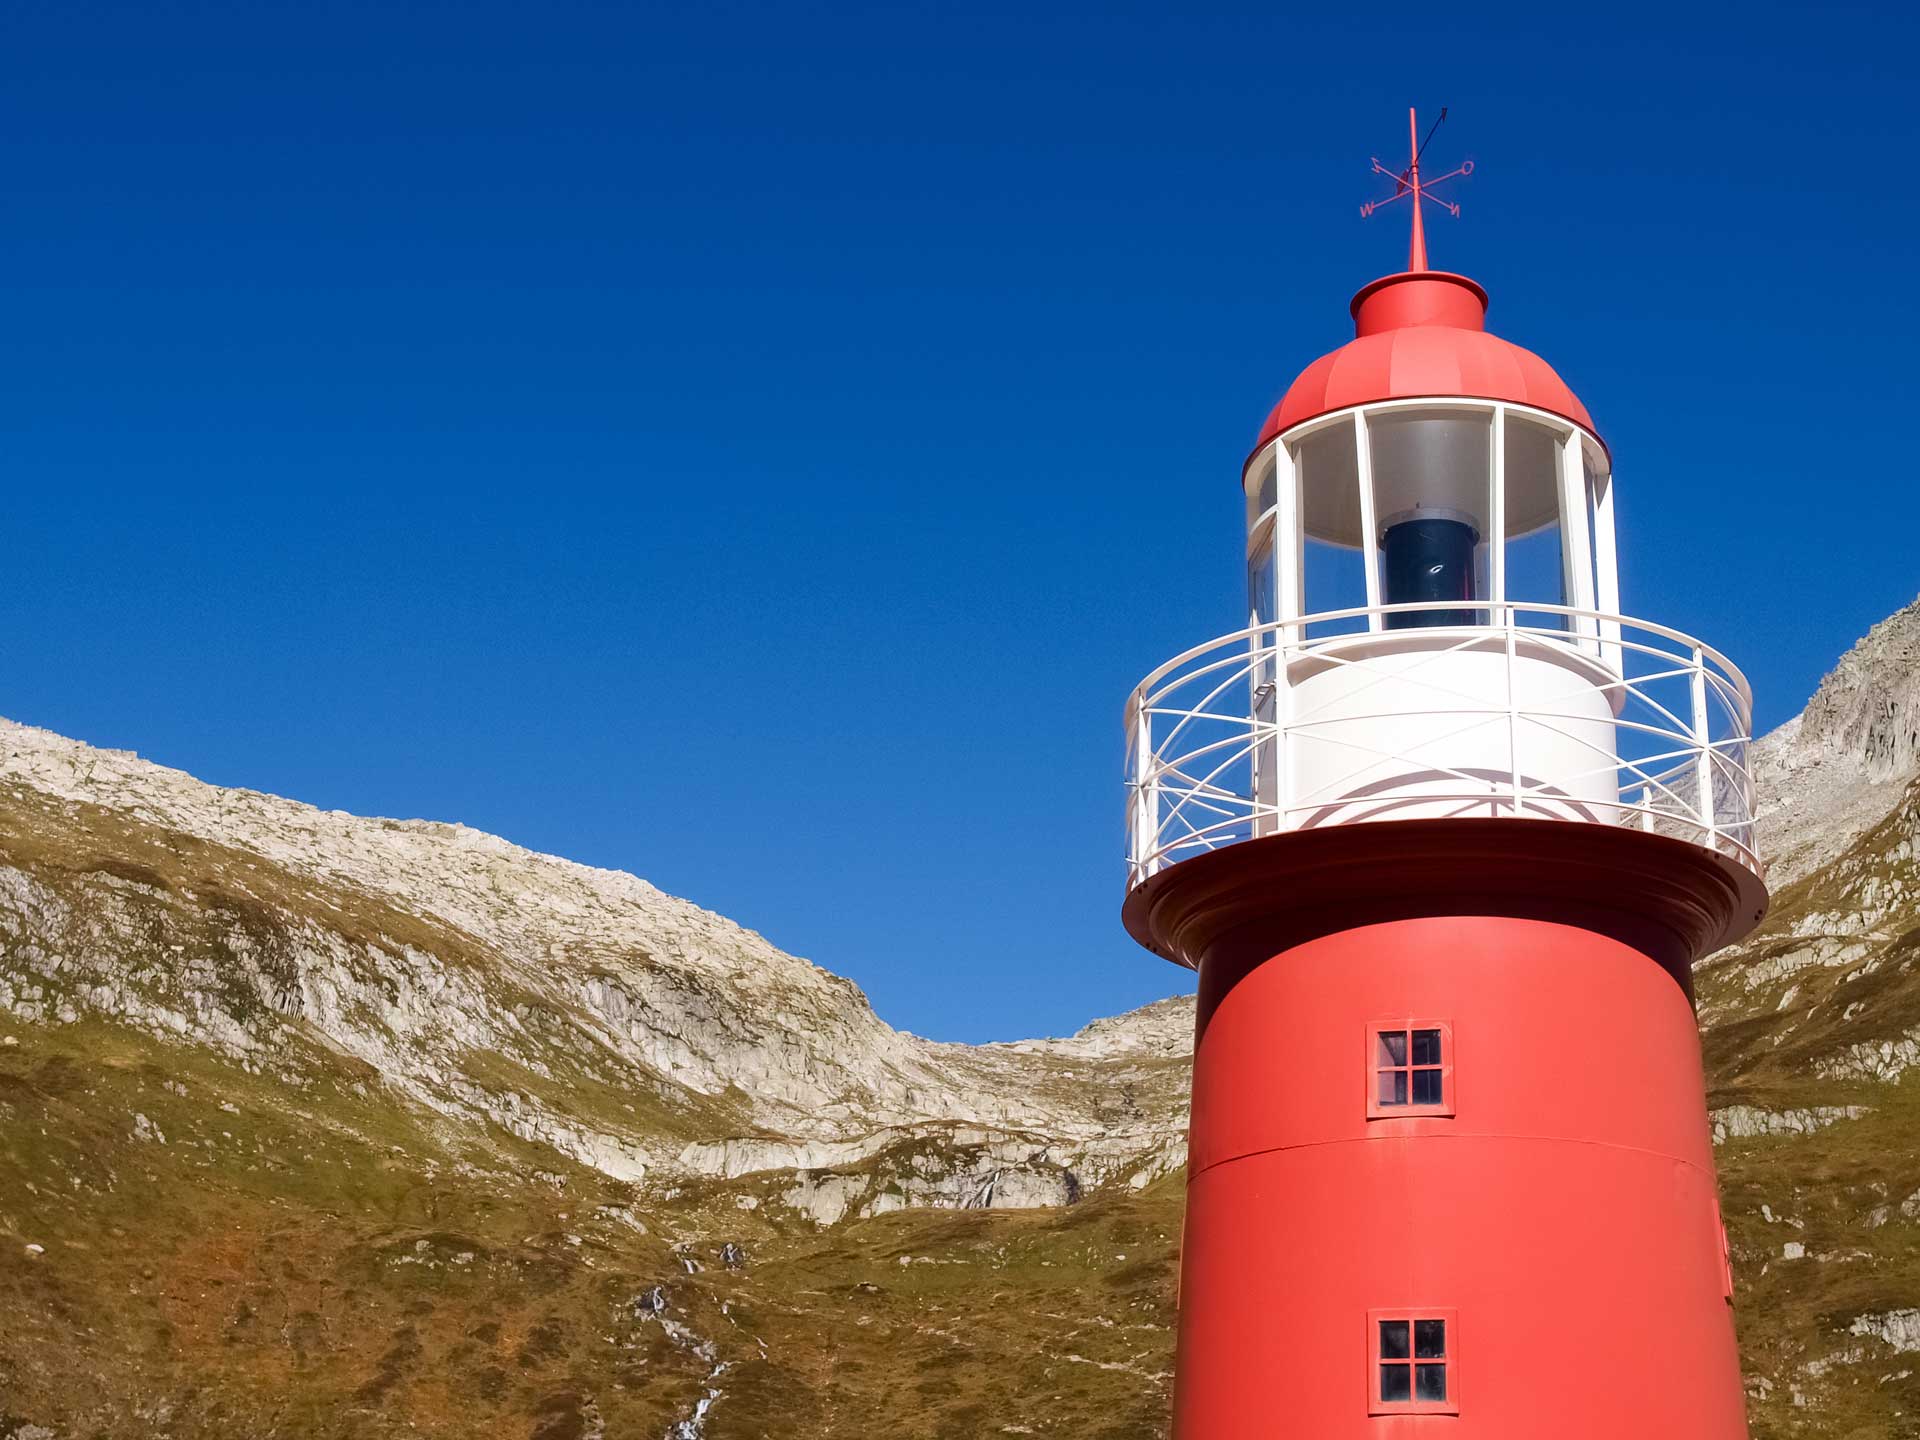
(1434,622)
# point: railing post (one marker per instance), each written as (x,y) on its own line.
(1513,715)
(1145,793)
(1703,759)
(1283,723)
(1260,698)
(1501,612)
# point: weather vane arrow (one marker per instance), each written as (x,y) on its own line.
(1410,182)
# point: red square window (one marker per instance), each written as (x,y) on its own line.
(1413,1362)
(1409,1068)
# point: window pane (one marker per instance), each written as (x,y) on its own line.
(1430,1339)
(1430,1382)
(1327,465)
(1394,1382)
(1260,490)
(1431,470)
(1533,527)
(1393,1087)
(1393,1339)
(1393,1048)
(1262,590)
(1426,1047)
(1335,572)
(1431,462)
(1426,1087)
(1333,579)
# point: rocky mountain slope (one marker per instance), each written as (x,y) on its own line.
(1832,772)
(317,1125)
(578,1008)
(1812,1032)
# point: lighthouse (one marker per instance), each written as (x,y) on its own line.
(1443,832)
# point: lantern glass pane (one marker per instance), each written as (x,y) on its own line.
(1534,525)
(1328,474)
(1332,569)
(1432,506)
(1262,479)
(1261,592)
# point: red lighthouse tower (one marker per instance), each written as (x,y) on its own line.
(1443,832)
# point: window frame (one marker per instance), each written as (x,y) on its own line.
(1450,1358)
(1448,1103)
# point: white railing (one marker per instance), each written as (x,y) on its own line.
(1547,711)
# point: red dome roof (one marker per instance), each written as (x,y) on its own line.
(1416,334)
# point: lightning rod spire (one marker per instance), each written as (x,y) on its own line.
(1409,182)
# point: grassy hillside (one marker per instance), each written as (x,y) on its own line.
(219,1255)
(1809,1034)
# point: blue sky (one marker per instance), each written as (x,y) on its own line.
(760,447)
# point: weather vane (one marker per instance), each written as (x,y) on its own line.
(1410,182)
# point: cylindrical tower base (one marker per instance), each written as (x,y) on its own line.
(1451,1158)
